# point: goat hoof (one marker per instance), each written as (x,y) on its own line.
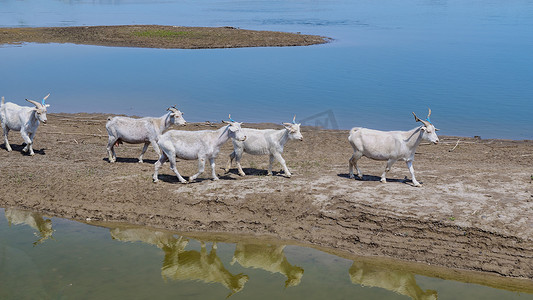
(383,180)
(242,174)
(417,184)
(216,179)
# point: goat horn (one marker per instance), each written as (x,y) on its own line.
(416,118)
(294,119)
(426,123)
(229,117)
(37,104)
(44,99)
(429,114)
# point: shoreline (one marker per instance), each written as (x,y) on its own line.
(471,212)
(158,36)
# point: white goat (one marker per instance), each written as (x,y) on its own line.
(390,145)
(24,119)
(137,131)
(201,145)
(265,141)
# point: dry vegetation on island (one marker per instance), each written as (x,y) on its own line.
(156,36)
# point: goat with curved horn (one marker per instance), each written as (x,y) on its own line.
(390,146)
(24,119)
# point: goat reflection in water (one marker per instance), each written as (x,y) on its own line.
(269,258)
(32,219)
(185,265)
(398,281)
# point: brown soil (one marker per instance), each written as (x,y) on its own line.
(156,36)
(473,211)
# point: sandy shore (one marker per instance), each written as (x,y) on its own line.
(157,36)
(473,211)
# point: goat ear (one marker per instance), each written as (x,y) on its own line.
(436,129)
(47,105)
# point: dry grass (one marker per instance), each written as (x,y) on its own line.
(155,36)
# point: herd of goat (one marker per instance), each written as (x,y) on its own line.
(204,145)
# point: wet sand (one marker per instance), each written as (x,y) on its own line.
(473,211)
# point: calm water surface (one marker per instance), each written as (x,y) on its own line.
(52,258)
(470,61)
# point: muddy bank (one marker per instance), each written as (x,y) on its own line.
(473,211)
(156,36)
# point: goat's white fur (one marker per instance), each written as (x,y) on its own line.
(390,146)
(138,131)
(201,145)
(24,119)
(265,142)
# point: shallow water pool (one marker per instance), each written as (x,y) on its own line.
(53,258)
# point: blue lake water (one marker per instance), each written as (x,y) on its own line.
(470,61)
(53,258)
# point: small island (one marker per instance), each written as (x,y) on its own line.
(156,36)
